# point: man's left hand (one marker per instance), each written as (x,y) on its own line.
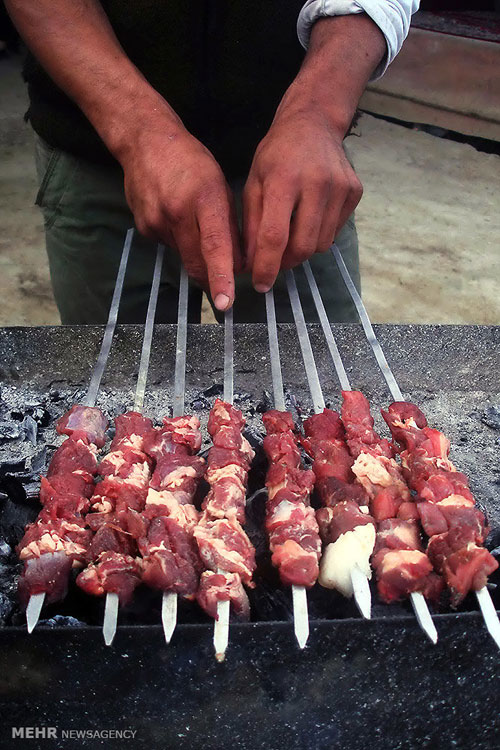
(300,191)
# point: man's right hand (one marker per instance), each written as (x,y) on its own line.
(178,195)
(174,186)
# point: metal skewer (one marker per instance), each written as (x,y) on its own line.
(299,593)
(112,601)
(36,601)
(360,585)
(169,599)
(417,599)
(221,624)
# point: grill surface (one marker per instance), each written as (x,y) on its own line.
(357,683)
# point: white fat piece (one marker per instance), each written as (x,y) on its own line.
(456,500)
(351,548)
(372,468)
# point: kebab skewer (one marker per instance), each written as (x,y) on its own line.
(417,599)
(483,596)
(115,569)
(349,570)
(170,559)
(225,549)
(456,527)
(170,556)
(58,539)
(290,520)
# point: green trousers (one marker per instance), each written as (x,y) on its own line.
(86,218)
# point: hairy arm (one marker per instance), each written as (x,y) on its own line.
(173,185)
(300,165)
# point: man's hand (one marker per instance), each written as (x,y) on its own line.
(178,194)
(174,187)
(300,191)
(301,188)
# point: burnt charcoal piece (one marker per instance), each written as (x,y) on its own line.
(10,430)
(14,516)
(214,390)
(199,404)
(62,621)
(7,607)
(30,428)
(491,417)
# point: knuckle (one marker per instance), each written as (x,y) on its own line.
(320,182)
(273,236)
(212,242)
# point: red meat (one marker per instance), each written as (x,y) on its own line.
(84,422)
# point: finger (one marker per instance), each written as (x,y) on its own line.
(252,215)
(217,250)
(272,237)
(305,229)
(354,195)
(186,241)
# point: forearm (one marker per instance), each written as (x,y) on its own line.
(343,53)
(75,43)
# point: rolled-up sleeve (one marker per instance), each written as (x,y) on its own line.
(391,16)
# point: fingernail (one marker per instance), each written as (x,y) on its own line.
(262,288)
(222,302)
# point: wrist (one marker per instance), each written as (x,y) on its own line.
(343,53)
(305,101)
(129,114)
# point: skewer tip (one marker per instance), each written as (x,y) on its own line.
(361,592)
(424,616)
(489,614)
(221,630)
(33,610)
(300,615)
(169,614)
(110,617)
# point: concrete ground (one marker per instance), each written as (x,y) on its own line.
(429,223)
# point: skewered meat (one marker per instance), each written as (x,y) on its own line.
(170,555)
(84,422)
(222,542)
(290,521)
(59,539)
(112,554)
(401,565)
(345,525)
(113,572)
(457,529)
(220,587)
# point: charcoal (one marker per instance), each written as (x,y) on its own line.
(214,390)
(30,428)
(7,606)
(38,462)
(199,404)
(62,621)
(10,430)
(5,550)
(491,417)
(14,516)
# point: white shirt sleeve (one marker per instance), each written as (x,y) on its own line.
(391,16)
